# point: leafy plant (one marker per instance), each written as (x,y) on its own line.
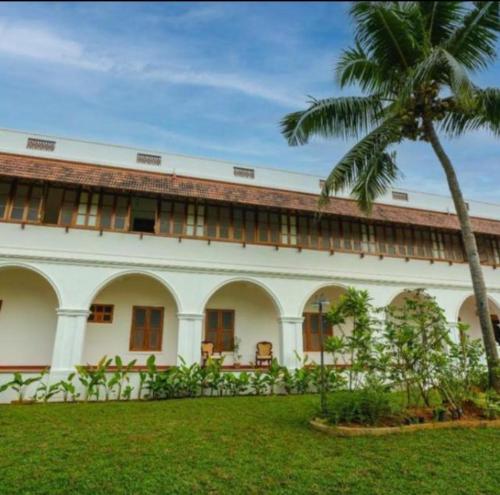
(68,388)
(258,382)
(46,390)
(93,378)
(21,384)
(273,375)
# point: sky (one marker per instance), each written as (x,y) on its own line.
(206,79)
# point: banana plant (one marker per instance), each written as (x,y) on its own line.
(258,382)
(273,375)
(46,390)
(189,378)
(20,385)
(121,375)
(68,388)
(93,378)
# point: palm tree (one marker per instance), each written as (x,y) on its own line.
(413,62)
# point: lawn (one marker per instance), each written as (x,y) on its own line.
(230,445)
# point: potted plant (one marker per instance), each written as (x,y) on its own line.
(236,355)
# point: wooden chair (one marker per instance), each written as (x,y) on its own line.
(264,354)
(207,351)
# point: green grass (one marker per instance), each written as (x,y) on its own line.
(232,445)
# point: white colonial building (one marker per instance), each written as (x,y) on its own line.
(109,250)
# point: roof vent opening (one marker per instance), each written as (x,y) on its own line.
(248,173)
(400,196)
(322,183)
(147,159)
(40,144)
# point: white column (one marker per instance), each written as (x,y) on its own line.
(189,337)
(291,341)
(69,341)
(454,332)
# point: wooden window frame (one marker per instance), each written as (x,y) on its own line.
(147,329)
(219,340)
(98,310)
(306,332)
(383,239)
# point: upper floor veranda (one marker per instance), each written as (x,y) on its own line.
(73,184)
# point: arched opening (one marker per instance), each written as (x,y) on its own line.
(28,318)
(468,314)
(311,324)
(399,300)
(133,316)
(241,313)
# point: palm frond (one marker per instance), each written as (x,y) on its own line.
(439,65)
(473,43)
(483,112)
(440,19)
(339,117)
(355,67)
(383,33)
(375,179)
(354,169)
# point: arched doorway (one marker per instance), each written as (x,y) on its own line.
(28,318)
(133,316)
(468,314)
(244,313)
(310,326)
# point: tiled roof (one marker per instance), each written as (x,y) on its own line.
(181,186)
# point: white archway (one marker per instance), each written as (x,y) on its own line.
(28,318)
(467,313)
(241,310)
(143,319)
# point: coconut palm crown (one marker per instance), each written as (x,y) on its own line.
(414,62)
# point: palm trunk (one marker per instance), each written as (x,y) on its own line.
(473,258)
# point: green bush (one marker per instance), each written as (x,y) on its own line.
(368,406)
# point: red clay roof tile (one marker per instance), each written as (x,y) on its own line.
(153,182)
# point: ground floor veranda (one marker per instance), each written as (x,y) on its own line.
(58,316)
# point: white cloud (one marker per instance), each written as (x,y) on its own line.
(44,45)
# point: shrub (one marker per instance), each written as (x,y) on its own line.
(370,405)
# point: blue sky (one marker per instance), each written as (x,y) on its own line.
(209,79)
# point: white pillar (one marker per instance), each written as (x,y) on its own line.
(454,332)
(189,337)
(291,341)
(69,341)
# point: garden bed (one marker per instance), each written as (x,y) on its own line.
(355,430)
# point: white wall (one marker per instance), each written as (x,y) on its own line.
(468,315)
(332,295)
(113,338)
(12,141)
(27,318)
(256,318)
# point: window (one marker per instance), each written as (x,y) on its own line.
(26,203)
(143,214)
(40,144)
(400,196)
(87,209)
(4,197)
(311,331)
(248,173)
(148,159)
(219,329)
(68,207)
(147,328)
(495,321)
(52,207)
(101,313)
